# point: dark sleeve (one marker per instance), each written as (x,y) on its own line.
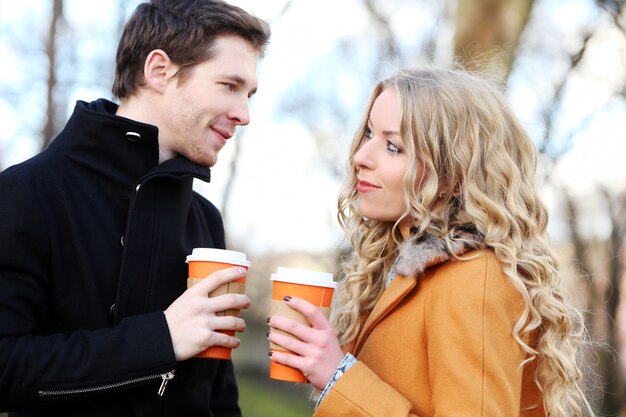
(225,395)
(36,366)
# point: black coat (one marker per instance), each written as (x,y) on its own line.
(93,239)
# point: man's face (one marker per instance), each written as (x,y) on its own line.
(201,114)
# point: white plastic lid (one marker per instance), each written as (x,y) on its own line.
(305,277)
(218,255)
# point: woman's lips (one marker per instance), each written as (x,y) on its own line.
(364,186)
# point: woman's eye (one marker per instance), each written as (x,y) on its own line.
(393,149)
(368,134)
(229,86)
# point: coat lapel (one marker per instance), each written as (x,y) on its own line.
(391,297)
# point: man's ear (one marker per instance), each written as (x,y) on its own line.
(158,70)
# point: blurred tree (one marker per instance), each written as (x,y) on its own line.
(488,32)
(601,268)
(53,103)
(600,264)
(484,35)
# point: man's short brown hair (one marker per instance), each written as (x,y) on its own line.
(186,30)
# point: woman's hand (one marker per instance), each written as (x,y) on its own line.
(317,346)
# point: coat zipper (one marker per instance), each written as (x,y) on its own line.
(166,377)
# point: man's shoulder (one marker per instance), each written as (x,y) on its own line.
(205,205)
(23,172)
(42,167)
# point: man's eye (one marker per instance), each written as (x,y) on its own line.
(230,86)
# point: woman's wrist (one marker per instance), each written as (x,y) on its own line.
(345,364)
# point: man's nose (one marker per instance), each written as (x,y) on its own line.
(240,113)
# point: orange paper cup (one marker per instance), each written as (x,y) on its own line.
(314,287)
(203,262)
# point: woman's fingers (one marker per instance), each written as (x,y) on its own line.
(287,342)
(312,313)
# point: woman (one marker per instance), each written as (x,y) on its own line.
(451,303)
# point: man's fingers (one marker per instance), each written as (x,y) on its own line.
(224,340)
(228,302)
(229,323)
(217,279)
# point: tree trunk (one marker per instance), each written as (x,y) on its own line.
(612,374)
(49,130)
(487,34)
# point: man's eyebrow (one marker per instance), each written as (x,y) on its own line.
(239,81)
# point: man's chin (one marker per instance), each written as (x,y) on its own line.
(207,161)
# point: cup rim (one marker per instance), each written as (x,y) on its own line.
(303,277)
(218,255)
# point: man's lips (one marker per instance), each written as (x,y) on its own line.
(364,186)
(224,134)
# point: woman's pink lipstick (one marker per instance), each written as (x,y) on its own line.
(364,187)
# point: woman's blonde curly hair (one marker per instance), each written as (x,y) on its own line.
(461,130)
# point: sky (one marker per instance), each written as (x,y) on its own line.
(284,198)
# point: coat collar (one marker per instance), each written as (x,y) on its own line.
(99,140)
(422,251)
(415,255)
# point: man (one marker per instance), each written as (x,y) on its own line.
(95,318)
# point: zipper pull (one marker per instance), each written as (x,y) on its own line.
(165,378)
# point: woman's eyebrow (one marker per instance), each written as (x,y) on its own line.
(370,125)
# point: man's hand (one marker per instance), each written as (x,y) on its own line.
(192,318)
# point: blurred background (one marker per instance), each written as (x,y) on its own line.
(561,63)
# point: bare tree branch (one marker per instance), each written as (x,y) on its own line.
(617,10)
(389,45)
(555,103)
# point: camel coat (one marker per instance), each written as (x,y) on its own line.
(439,345)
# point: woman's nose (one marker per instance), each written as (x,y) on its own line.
(363,157)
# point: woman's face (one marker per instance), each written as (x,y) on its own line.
(381,161)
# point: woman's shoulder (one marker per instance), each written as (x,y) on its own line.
(478,261)
(474,286)
(477,273)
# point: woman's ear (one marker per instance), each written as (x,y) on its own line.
(158,70)
(445,190)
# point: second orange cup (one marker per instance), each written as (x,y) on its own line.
(314,287)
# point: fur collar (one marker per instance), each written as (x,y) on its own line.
(419,252)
